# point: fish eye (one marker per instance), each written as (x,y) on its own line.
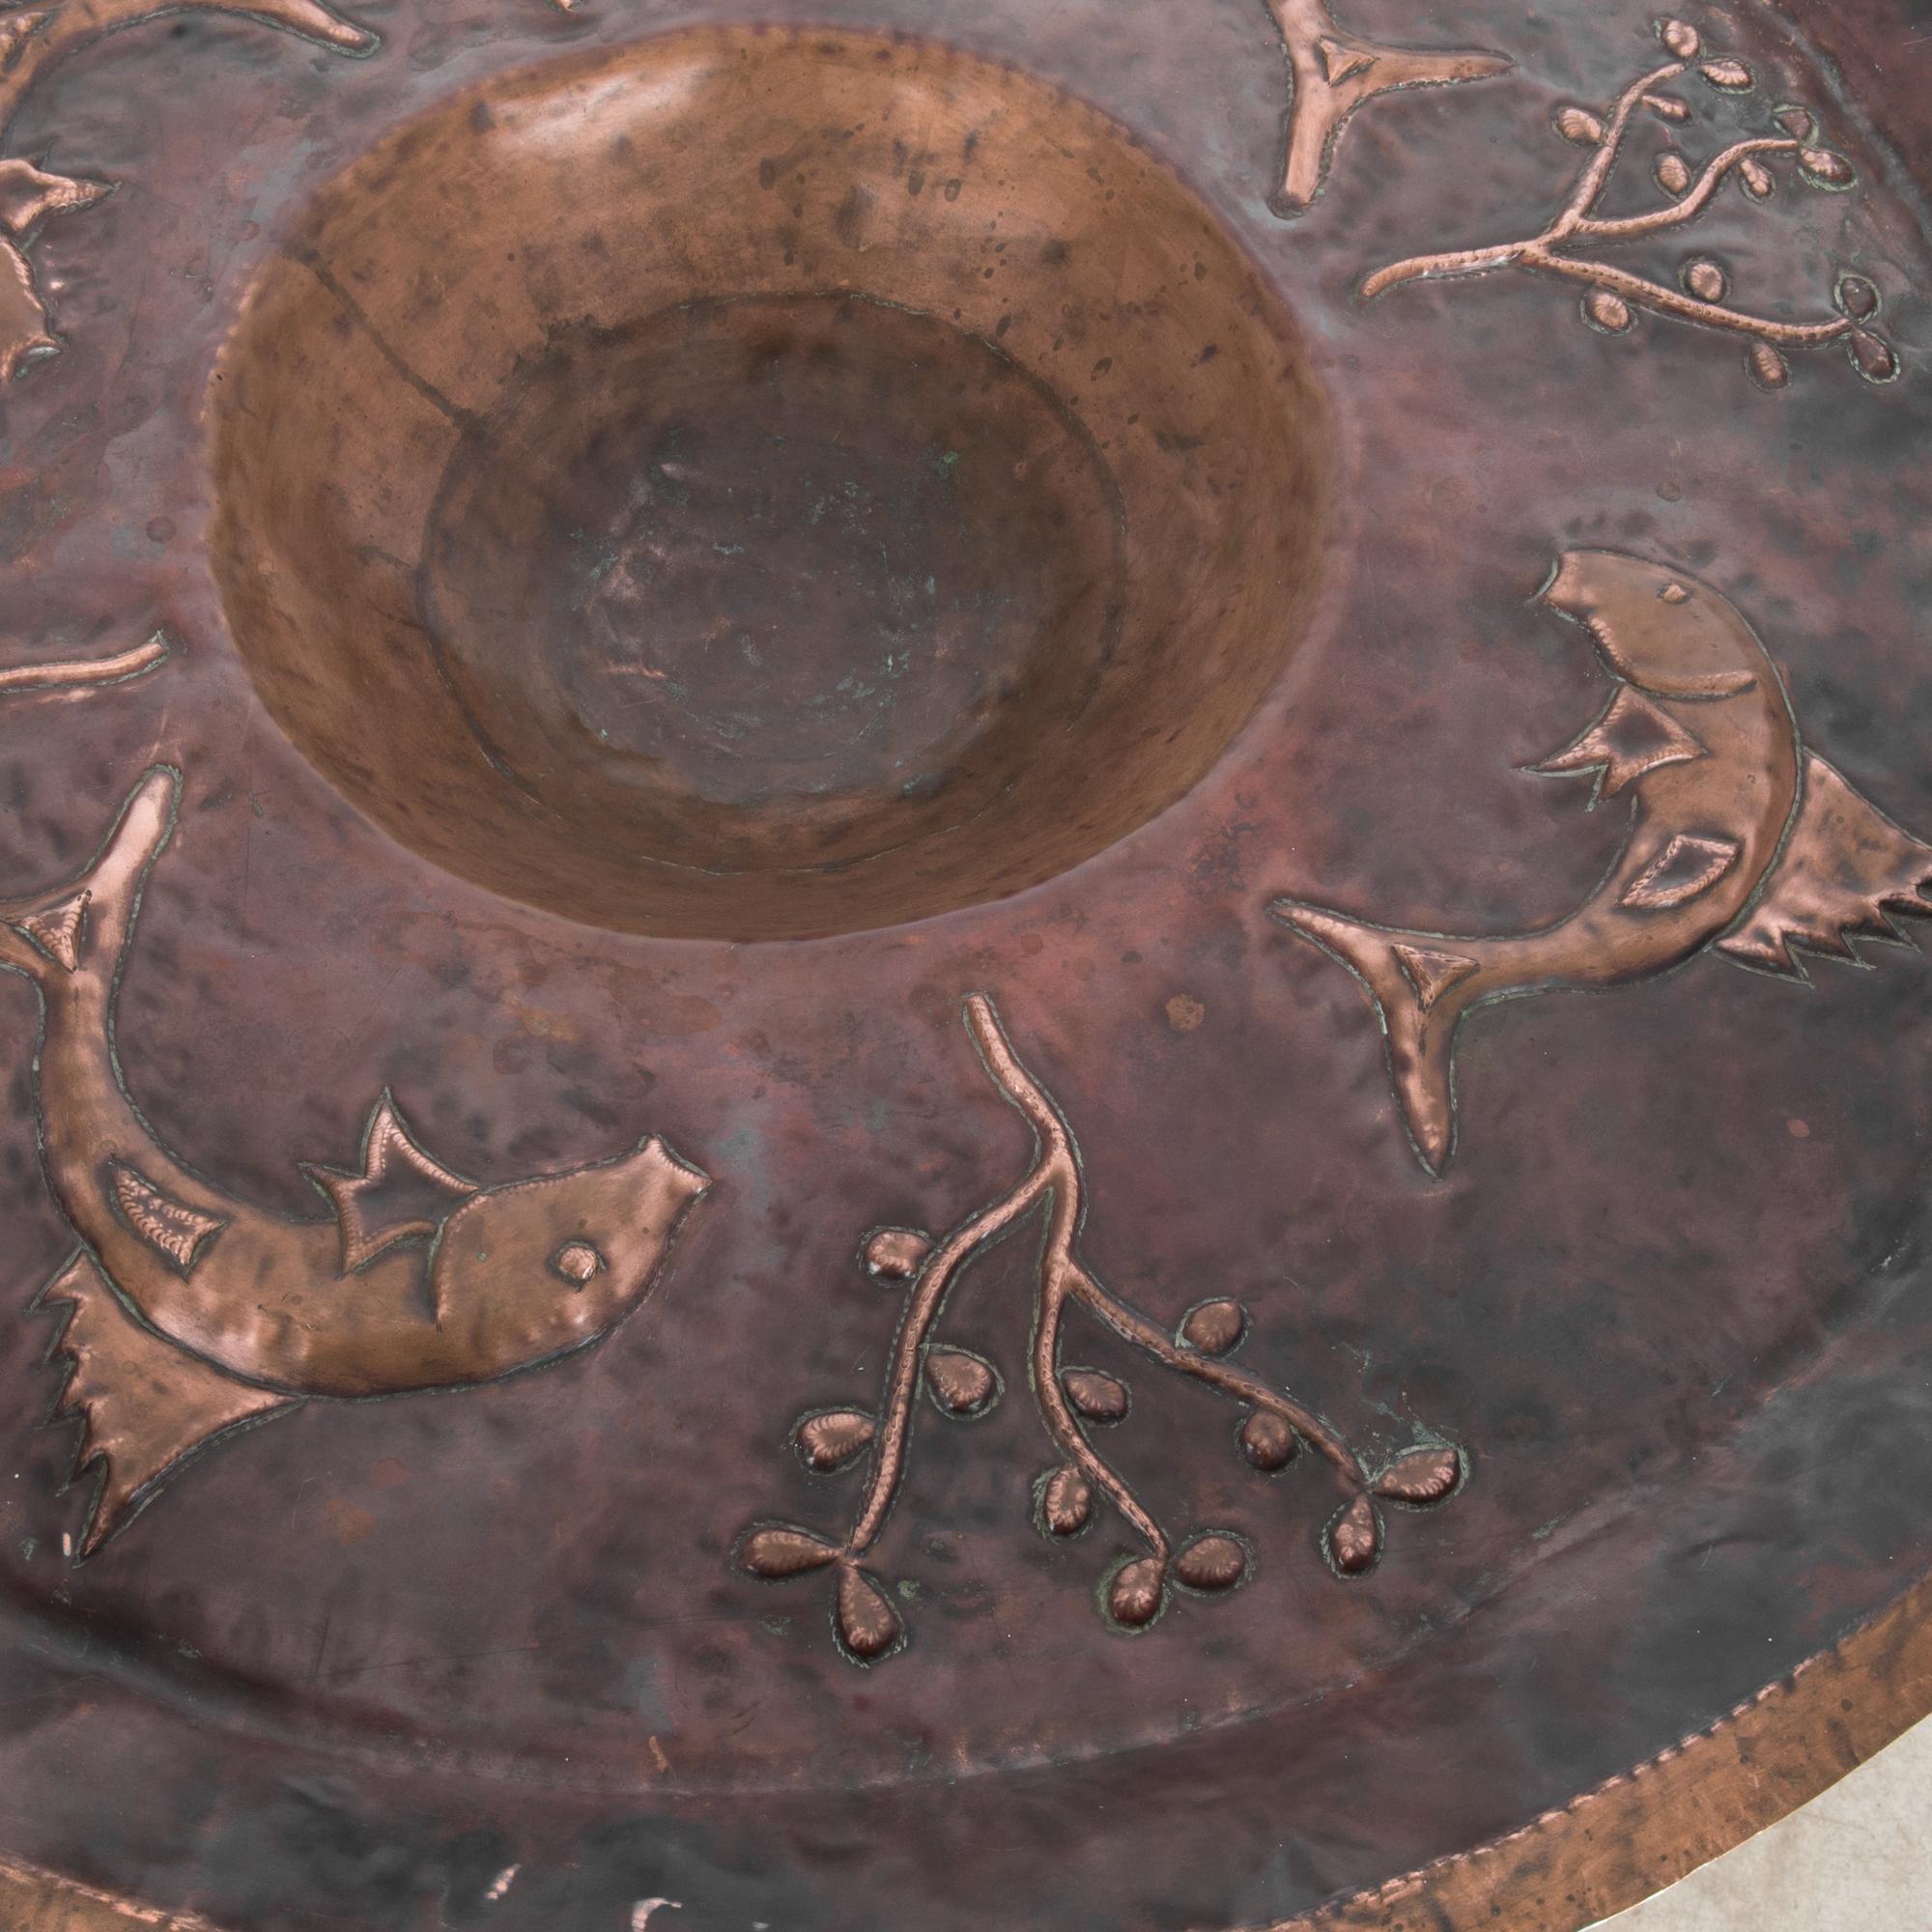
(577,1261)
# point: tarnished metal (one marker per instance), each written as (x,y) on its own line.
(782,784)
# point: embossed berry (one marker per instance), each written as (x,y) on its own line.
(1065,1502)
(1096,1395)
(1212,1563)
(895,1254)
(1355,1538)
(1607,312)
(1706,280)
(868,1626)
(1268,1442)
(831,1439)
(1137,1592)
(1214,1327)
(963,1384)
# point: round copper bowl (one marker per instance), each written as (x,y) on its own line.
(647,490)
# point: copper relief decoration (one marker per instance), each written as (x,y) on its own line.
(1072,1401)
(185,1312)
(1741,839)
(1574,244)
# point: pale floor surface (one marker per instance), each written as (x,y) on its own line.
(1859,1858)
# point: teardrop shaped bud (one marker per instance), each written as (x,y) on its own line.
(1823,168)
(1673,171)
(1214,1327)
(1667,107)
(1212,1563)
(1580,125)
(1706,280)
(1872,357)
(1732,76)
(1268,1442)
(1797,122)
(1422,1477)
(868,1626)
(895,1253)
(963,1384)
(774,1551)
(1065,1502)
(1755,179)
(1768,369)
(1857,297)
(1680,38)
(1355,1538)
(1137,1592)
(831,1438)
(1096,1395)
(1607,312)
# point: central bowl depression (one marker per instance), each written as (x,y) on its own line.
(751,485)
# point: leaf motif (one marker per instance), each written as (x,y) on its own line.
(1755,179)
(1823,168)
(1665,108)
(869,1627)
(1422,1477)
(1610,313)
(1268,1442)
(963,1384)
(1680,39)
(1872,357)
(1137,1592)
(1355,1539)
(1212,1563)
(1797,122)
(1706,279)
(1096,1395)
(1673,171)
(1580,125)
(776,1551)
(1768,369)
(1856,296)
(1732,76)
(1214,1327)
(895,1253)
(1065,1502)
(833,1437)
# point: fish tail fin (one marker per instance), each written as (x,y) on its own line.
(77,932)
(1844,870)
(144,1405)
(1421,988)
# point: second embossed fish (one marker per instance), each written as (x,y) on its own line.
(1741,839)
(189,1313)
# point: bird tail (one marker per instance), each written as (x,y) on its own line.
(1420,989)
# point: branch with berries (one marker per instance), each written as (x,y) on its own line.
(36,37)
(1073,1401)
(1614,295)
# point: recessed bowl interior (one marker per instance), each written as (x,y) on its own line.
(750,484)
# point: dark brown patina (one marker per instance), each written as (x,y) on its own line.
(760,660)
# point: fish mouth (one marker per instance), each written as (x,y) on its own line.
(690,1180)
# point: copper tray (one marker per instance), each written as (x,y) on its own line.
(667,668)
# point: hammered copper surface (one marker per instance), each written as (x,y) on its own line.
(695,701)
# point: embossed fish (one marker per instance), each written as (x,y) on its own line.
(190,1313)
(1739,839)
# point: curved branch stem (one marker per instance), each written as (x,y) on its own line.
(1693,201)
(1591,184)
(1653,295)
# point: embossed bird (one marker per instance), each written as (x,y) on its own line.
(189,1312)
(1740,839)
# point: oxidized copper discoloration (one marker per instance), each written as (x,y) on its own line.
(1739,839)
(1135,1590)
(1571,245)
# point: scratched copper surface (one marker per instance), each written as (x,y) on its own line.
(873,807)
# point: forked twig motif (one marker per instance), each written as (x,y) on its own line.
(76,673)
(36,37)
(1614,293)
(1072,1400)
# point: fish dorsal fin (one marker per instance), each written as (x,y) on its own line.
(1633,737)
(180,1231)
(1690,864)
(1431,974)
(142,1404)
(1845,868)
(400,1193)
(60,931)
